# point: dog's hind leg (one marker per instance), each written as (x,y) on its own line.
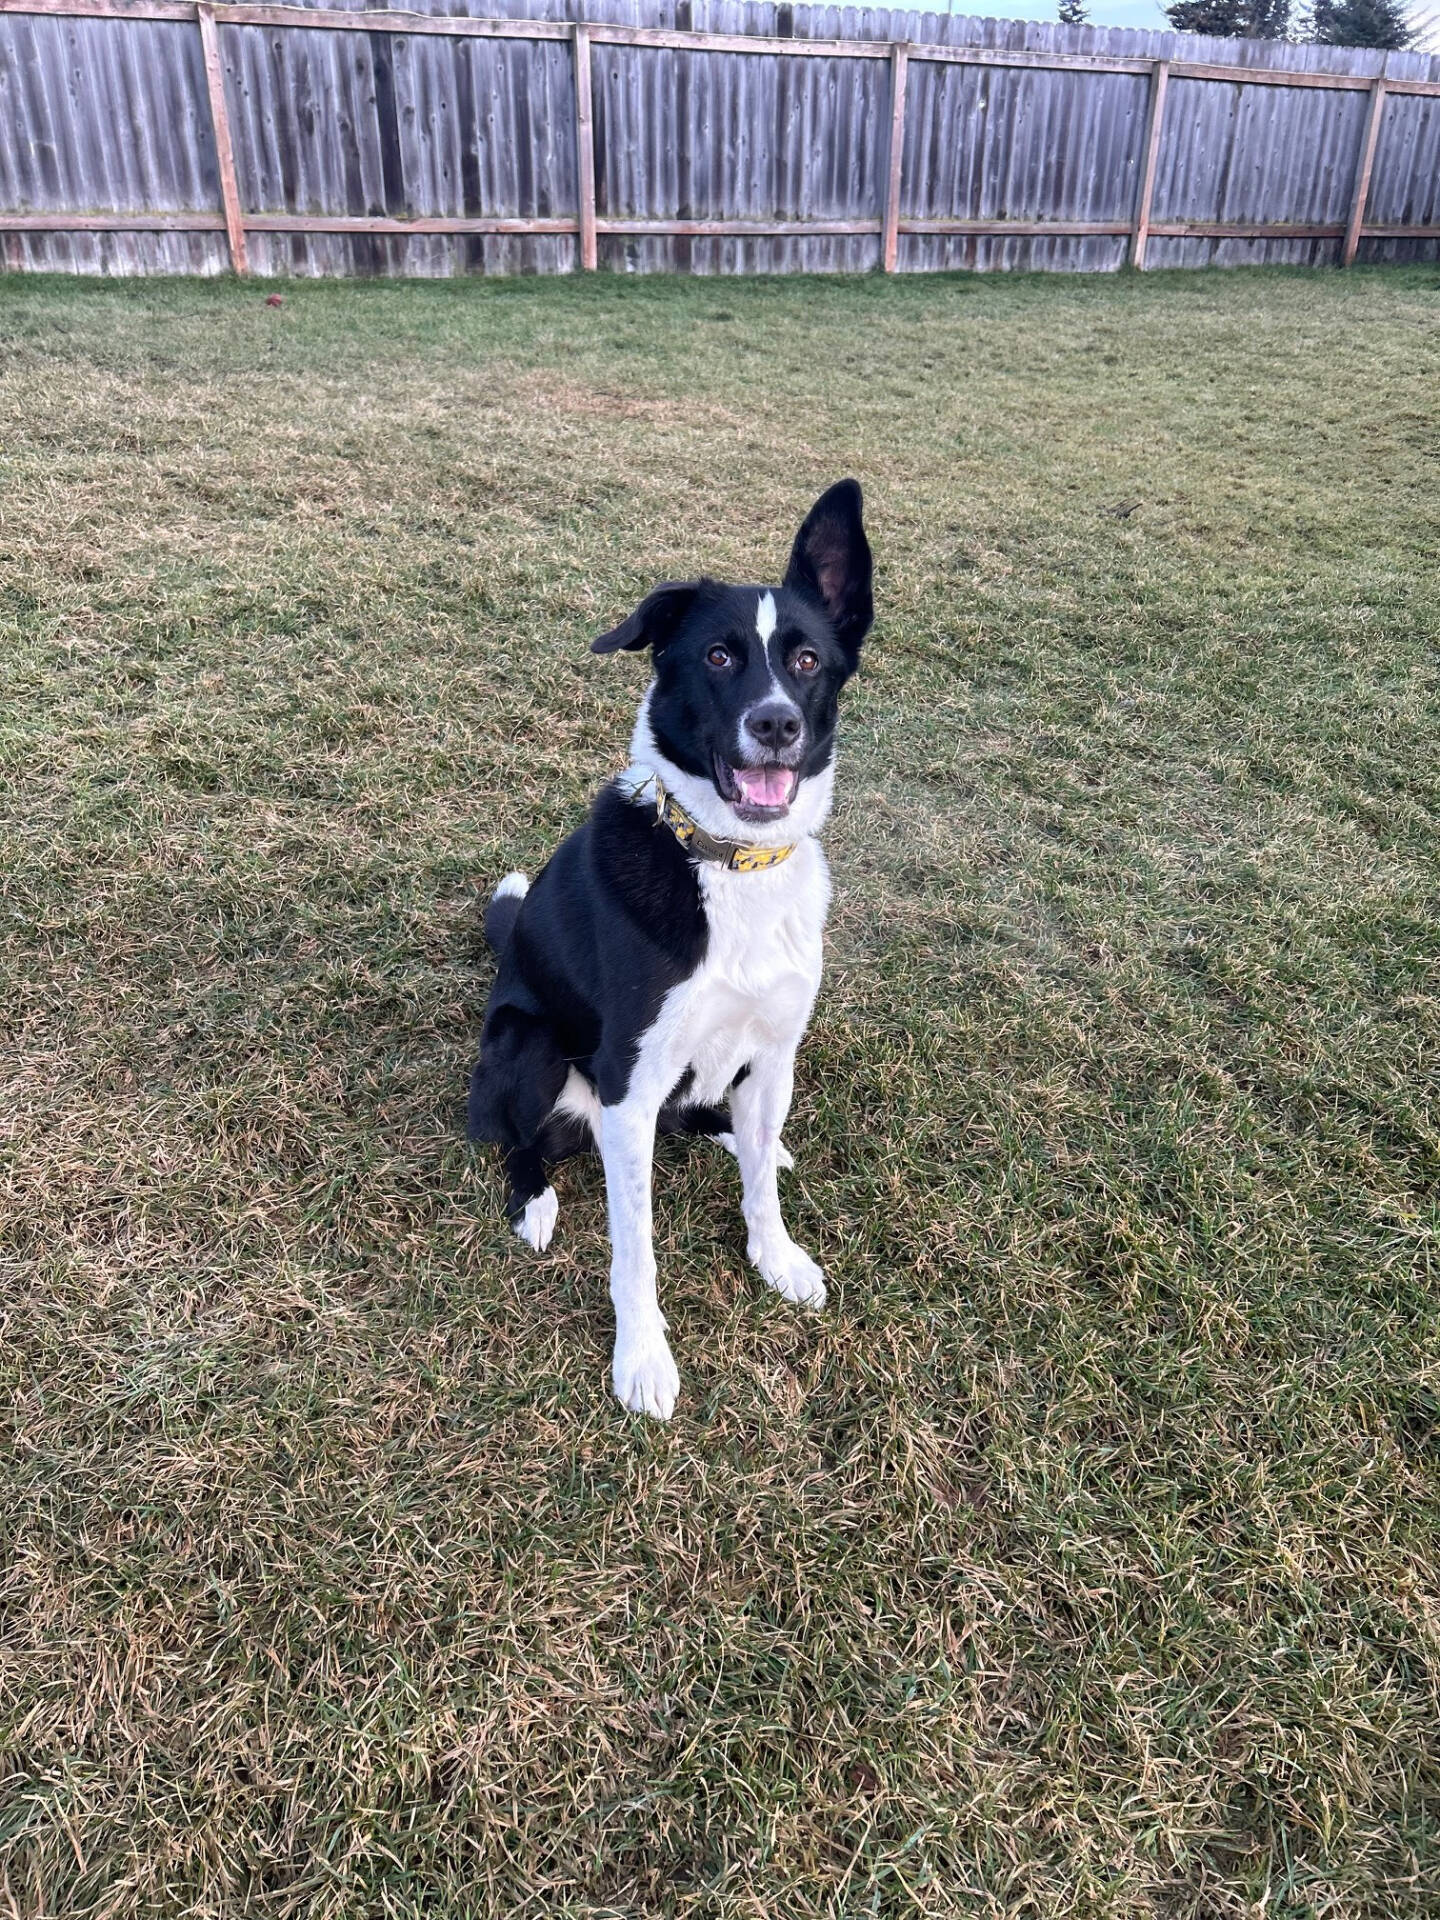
(784,1159)
(533,1206)
(711,1122)
(513,1091)
(714,1123)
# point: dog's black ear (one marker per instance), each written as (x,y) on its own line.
(654,622)
(830,562)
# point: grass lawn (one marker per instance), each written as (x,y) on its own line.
(1082,1559)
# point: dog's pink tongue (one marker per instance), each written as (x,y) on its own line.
(765,786)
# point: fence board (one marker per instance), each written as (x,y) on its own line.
(1363,169)
(1145,195)
(220,133)
(890,240)
(585,148)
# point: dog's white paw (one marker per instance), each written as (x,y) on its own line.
(645,1376)
(793,1275)
(537,1223)
(784,1159)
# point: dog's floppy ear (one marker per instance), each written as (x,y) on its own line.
(830,562)
(654,622)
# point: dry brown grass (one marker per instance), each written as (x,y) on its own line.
(1081,1560)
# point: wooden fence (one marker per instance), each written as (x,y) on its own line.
(890,159)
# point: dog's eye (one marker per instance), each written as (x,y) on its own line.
(718,656)
(806,661)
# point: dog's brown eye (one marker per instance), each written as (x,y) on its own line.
(806,661)
(718,657)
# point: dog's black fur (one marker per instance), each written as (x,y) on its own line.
(586,958)
(615,920)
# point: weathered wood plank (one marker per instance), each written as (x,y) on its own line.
(1244,230)
(105,9)
(890,237)
(380,223)
(224,152)
(112,223)
(683,38)
(736,229)
(1021,58)
(1029,229)
(448,26)
(1267,76)
(1145,194)
(1364,166)
(585,150)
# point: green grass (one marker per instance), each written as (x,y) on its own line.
(1082,1560)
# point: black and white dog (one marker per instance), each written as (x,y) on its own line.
(666,959)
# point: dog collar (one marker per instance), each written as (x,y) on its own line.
(734,855)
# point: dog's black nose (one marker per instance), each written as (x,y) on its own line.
(775,726)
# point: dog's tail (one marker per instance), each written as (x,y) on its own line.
(504,910)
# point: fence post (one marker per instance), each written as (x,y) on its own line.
(224,152)
(585,149)
(1368,141)
(1140,232)
(890,235)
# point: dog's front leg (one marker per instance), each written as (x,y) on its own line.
(644,1370)
(758,1108)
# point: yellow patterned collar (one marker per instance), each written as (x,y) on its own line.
(734,855)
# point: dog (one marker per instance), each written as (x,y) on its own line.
(660,972)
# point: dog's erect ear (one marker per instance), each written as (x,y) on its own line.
(654,622)
(830,562)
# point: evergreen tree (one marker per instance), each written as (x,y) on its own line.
(1237,19)
(1361,23)
(1073,13)
(1269,20)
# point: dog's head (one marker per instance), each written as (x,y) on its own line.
(747,679)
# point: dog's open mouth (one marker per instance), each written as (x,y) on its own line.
(757,793)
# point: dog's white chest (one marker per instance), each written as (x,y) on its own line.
(761,970)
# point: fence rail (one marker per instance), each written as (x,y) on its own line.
(217,20)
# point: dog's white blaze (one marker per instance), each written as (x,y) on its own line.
(765,618)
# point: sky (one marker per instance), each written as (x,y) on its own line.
(1103,13)
(1123,13)
(1136,13)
